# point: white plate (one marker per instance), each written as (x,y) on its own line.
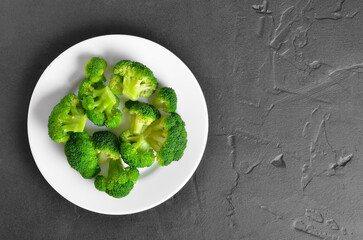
(156,184)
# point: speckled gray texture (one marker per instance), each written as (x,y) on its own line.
(284,87)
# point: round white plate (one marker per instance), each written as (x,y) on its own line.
(156,184)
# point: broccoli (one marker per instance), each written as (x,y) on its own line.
(107,145)
(167,136)
(166,99)
(100,104)
(142,114)
(81,154)
(116,85)
(94,69)
(135,151)
(101,183)
(66,117)
(137,79)
(119,182)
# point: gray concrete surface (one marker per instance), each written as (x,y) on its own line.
(284,87)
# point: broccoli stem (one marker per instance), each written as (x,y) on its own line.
(142,145)
(74,123)
(103,157)
(158,103)
(143,89)
(158,127)
(118,88)
(108,111)
(115,166)
(156,139)
(105,99)
(99,92)
(131,88)
(133,138)
(76,111)
(154,145)
(136,124)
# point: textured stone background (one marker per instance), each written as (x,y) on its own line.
(283,83)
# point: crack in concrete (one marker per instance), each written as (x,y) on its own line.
(313,89)
(287,34)
(267,209)
(238,132)
(197,191)
(231,210)
(253,166)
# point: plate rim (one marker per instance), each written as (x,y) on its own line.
(188,176)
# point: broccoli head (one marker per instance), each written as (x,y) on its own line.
(66,117)
(168,137)
(116,84)
(81,154)
(135,151)
(94,69)
(100,104)
(119,181)
(137,79)
(166,99)
(142,114)
(107,145)
(101,183)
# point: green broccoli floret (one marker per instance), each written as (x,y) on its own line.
(166,99)
(101,183)
(137,79)
(116,84)
(167,136)
(81,154)
(119,182)
(94,69)
(100,104)
(142,114)
(66,117)
(107,146)
(135,151)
